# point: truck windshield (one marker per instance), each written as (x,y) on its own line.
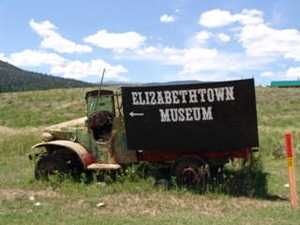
(99,101)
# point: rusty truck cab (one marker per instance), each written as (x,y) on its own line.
(106,123)
(100,113)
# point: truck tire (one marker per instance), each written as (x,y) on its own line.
(191,173)
(61,163)
(216,174)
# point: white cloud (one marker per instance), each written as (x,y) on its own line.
(30,57)
(116,41)
(258,38)
(64,67)
(196,57)
(264,41)
(219,18)
(147,51)
(216,18)
(248,17)
(43,28)
(202,37)
(78,70)
(207,76)
(214,61)
(262,45)
(224,37)
(293,73)
(53,40)
(3,57)
(197,61)
(267,74)
(293,52)
(167,18)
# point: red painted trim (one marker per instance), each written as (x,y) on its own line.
(88,159)
(156,155)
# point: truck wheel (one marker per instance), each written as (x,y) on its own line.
(191,173)
(61,163)
(216,173)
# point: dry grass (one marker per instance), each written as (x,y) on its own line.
(13,194)
(133,202)
(8,131)
(155,204)
(139,204)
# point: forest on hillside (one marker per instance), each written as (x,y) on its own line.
(15,79)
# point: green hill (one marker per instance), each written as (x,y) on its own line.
(15,79)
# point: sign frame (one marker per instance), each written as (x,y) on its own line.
(212,121)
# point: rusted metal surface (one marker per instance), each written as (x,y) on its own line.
(83,154)
(80,122)
(99,101)
(103,166)
(63,131)
(118,142)
(101,124)
(118,105)
(97,93)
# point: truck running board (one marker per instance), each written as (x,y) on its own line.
(103,166)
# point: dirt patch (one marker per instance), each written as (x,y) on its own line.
(153,204)
(12,194)
(140,204)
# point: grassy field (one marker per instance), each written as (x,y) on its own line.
(25,201)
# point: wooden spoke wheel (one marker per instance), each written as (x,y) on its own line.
(61,163)
(191,172)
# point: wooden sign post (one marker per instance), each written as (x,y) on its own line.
(291,169)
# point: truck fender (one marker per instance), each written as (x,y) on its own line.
(85,157)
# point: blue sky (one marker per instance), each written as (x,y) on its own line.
(152,41)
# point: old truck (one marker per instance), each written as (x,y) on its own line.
(193,129)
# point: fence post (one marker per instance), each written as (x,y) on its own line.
(291,169)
